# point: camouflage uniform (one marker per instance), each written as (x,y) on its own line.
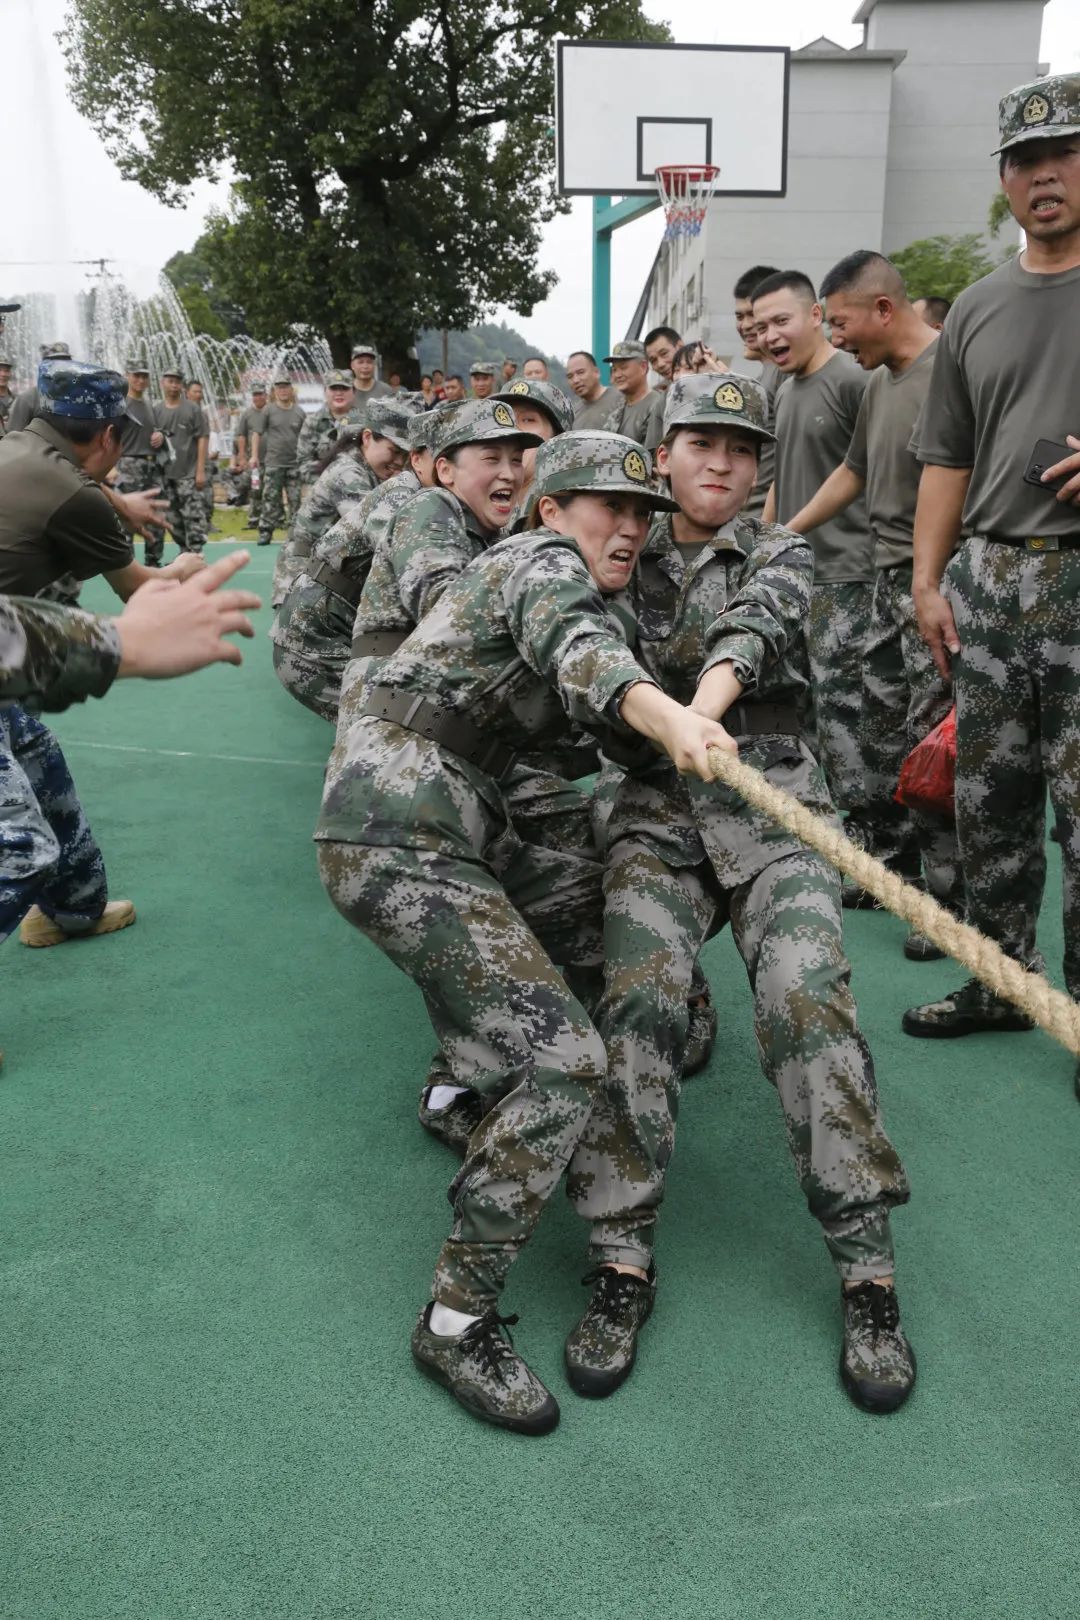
(278,487)
(336,491)
(54,656)
(1003,378)
(417,850)
(685,857)
(314,626)
(320,432)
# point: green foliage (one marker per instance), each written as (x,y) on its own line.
(496,342)
(942,266)
(392,158)
(999,214)
(207,307)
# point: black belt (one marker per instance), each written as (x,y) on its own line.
(1034,542)
(338,584)
(452,731)
(750,719)
(378,643)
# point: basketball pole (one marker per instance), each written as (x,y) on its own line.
(607,217)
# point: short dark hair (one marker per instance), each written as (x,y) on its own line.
(192,381)
(539,357)
(861,268)
(437,371)
(668,332)
(684,353)
(748,281)
(781,280)
(77,431)
(425,376)
(585,355)
(936,307)
(455,376)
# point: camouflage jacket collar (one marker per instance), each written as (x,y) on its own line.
(468,519)
(663,550)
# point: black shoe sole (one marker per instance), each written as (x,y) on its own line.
(879,1405)
(544,1421)
(940,1032)
(934,954)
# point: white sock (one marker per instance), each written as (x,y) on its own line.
(447,1323)
(440,1097)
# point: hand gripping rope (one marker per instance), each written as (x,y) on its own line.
(1052,1010)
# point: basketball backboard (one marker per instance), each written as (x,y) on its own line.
(623,109)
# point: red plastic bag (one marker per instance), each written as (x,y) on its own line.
(928,775)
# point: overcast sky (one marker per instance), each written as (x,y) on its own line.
(63,199)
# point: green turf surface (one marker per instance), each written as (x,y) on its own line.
(220,1219)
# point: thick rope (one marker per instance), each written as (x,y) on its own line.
(1053,1011)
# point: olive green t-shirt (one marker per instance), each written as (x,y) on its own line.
(252,420)
(1007,374)
(770,377)
(138,425)
(641,421)
(54,519)
(881,454)
(598,412)
(183,424)
(283,424)
(815,418)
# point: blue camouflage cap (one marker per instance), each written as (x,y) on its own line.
(82,392)
(546,396)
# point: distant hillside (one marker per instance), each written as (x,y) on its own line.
(488,342)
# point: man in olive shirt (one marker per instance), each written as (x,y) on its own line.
(363,370)
(277,450)
(187,437)
(640,415)
(138,467)
(1006,609)
(769,376)
(904,697)
(817,406)
(596,404)
(55,518)
(251,421)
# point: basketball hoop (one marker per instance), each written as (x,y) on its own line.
(686,190)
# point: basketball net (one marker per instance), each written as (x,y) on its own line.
(685,193)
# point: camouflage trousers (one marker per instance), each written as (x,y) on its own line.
(48,855)
(1017,681)
(133,475)
(312,637)
(279,485)
(904,698)
(187,512)
(480,939)
(786,923)
(835,637)
(65,591)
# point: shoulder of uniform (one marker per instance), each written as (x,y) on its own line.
(751,531)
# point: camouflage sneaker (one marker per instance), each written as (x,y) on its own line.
(601,1349)
(702,1034)
(484,1372)
(877,1364)
(917,948)
(454,1124)
(967,1011)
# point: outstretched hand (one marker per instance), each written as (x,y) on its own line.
(169,628)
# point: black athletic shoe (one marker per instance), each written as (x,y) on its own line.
(601,1349)
(485,1374)
(917,948)
(877,1364)
(454,1124)
(968,1011)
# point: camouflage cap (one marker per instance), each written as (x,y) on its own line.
(423,425)
(283,380)
(482,368)
(628,349)
(258,388)
(596,463)
(55,351)
(364,348)
(470,421)
(138,368)
(7,360)
(171,371)
(390,419)
(83,393)
(718,400)
(338,379)
(1039,111)
(547,396)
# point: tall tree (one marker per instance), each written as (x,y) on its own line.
(393,159)
(942,266)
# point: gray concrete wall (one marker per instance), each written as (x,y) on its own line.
(962,55)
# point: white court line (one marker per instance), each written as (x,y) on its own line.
(189,753)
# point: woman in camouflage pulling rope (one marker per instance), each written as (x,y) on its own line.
(417,850)
(360,460)
(721,601)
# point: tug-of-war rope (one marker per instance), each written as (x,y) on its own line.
(1053,1011)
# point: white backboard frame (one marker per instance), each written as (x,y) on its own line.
(623,108)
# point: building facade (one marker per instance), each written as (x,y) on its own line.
(888,142)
